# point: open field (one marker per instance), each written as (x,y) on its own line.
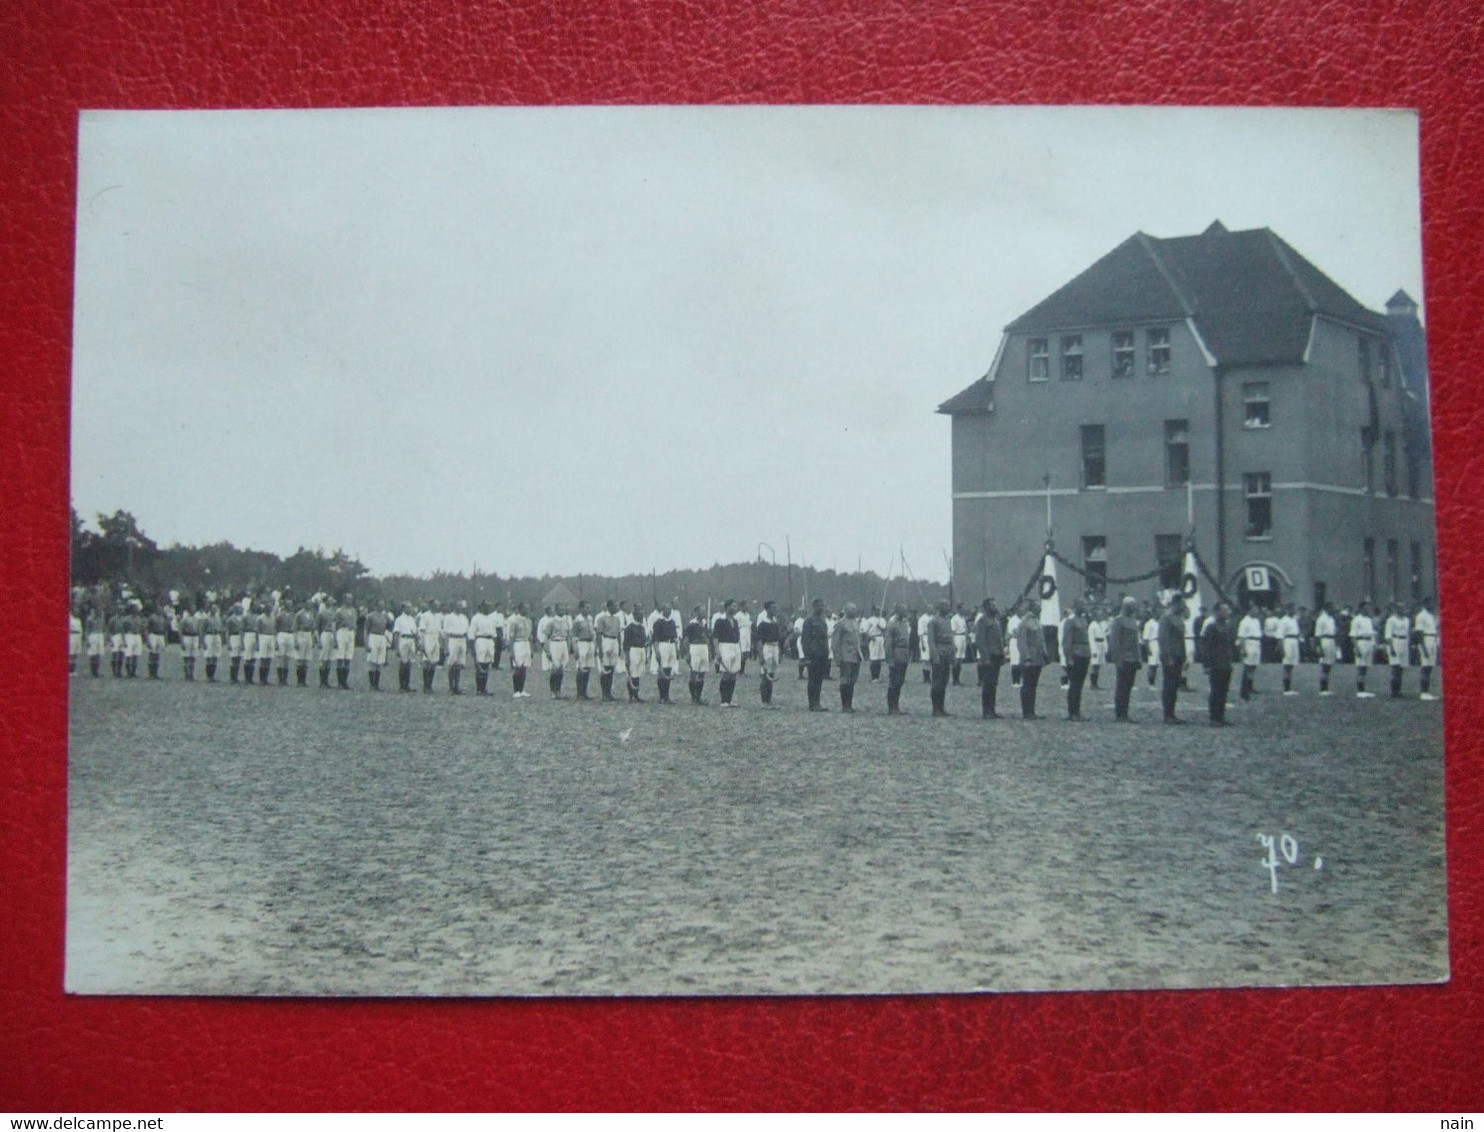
(246,840)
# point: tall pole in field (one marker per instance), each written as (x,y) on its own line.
(789,551)
(1046,480)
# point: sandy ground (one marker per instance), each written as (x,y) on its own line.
(241,840)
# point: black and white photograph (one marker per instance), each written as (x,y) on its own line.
(680,550)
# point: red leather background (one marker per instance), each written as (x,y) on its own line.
(1364,1048)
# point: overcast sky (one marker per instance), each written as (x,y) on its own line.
(604,340)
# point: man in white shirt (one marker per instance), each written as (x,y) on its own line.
(1012,635)
(584,648)
(518,637)
(1288,636)
(609,627)
(482,633)
(1324,635)
(744,629)
(404,637)
(1363,640)
(1398,643)
(430,639)
(552,635)
(1097,643)
(874,629)
(498,614)
(1150,636)
(456,638)
(1249,642)
(1425,626)
(960,626)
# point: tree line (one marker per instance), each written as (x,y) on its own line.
(116,552)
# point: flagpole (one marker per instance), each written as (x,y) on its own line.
(1046,480)
(1190,504)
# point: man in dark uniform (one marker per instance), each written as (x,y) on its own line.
(989,648)
(324,624)
(304,628)
(1218,650)
(726,639)
(815,645)
(845,638)
(939,652)
(697,653)
(156,628)
(1032,657)
(1172,656)
(899,653)
(209,621)
(664,635)
(283,628)
(635,642)
(1076,655)
(1126,656)
(609,629)
(378,635)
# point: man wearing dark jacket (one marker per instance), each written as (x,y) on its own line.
(1172,655)
(1032,658)
(989,647)
(1218,648)
(899,653)
(814,643)
(1076,655)
(1125,655)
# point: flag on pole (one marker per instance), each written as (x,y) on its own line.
(1190,589)
(1050,596)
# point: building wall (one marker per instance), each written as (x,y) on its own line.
(1311,450)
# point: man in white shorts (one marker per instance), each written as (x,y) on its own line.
(1363,641)
(378,641)
(1288,637)
(456,644)
(768,632)
(1324,635)
(584,648)
(74,639)
(518,639)
(324,628)
(726,635)
(744,630)
(664,637)
(267,643)
(482,632)
(304,620)
(554,638)
(345,641)
(430,643)
(697,653)
(1398,644)
(1425,626)
(635,652)
(1249,644)
(608,628)
(404,640)
(210,622)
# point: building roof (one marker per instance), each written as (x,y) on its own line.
(977,398)
(559,594)
(1250,294)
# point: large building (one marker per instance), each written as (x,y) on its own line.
(1221,373)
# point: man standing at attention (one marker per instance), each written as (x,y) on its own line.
(430,640)
(1076,656)
(609,629)
(636,653)
(726,635)
(584,647)
(1125,655)
(1398,642)
(664,636)
(960,625)
(1172,655)
(940,656)
(482,632)
(324,625)
(345,640)
(1425,626)
(768,632)
(1249,641)
(989,646)
(1218,648)
(697,653)
(1324,636)
(897,644)
(873,628)
(1288,638)
(456,637)
(846,641)
(404,631)
(518,637)
(553,635)
(1363,643)
(814,647)
(1032,657)
(378,626)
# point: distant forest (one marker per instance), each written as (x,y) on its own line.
(116,552)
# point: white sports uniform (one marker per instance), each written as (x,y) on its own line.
(1249,638)
(1426,626)
(1363,638)
(1398,637)
(1324,633)
(456,630)
(1288,632)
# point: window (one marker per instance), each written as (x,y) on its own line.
(1123,353)
(1388,461)
(1363,357)
(1414,475)
(1259,488)
(1177,453)
(1370,569)
(1071,357)
(1393,570)
(1367,464)
(1167,554)
(1385,352)
(1257,409)
(1158,343)
(1038,362)
(1094,456)
(1095,562)
(1416,572)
